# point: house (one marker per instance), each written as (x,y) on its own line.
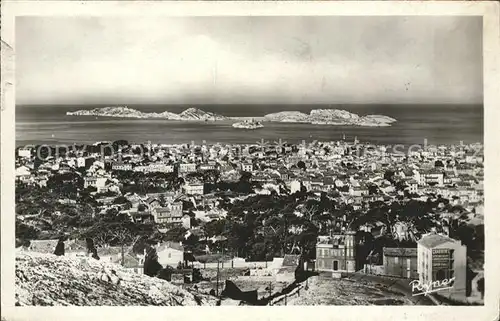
(76,249)
(358,191)
(186,221)
(194,188)
(170,253)
(440,258)
(94,181)
(42,246)
(132,262)
(171,214)
(142,216)
(187,167)
(247,167)
(120,166)
(109,253)
(336,253)
(295,186)
(23,173)
(401,262)
(24,152)
(431,177)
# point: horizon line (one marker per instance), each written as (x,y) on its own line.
(252,104)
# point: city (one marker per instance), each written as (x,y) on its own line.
(270,223)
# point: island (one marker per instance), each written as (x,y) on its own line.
(126,112)
(315,117)
(248,124)
(330,117)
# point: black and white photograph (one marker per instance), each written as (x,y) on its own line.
(249,160)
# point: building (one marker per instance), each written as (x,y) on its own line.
(24,152)
(431,177)
(171,214)
(247,167)
(187,168)
(161,167)
(170,253)
(439,258)
(194,188)
(336,253)
(42,246)
(97,182)
(295,186)
(119,166)
(23,174)
(401,262)
(132,262)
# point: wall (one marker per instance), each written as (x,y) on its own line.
(400,268)
(236,264)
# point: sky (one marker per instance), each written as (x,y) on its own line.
(249,60)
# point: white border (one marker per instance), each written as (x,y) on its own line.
(489,11)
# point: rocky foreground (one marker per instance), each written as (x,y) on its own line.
(327,291)
(49,280)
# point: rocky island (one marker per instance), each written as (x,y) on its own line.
(126,112)
(248,124)
(330,117)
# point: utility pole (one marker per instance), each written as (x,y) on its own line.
(217,286)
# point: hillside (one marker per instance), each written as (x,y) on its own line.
(198,114)
(48,280)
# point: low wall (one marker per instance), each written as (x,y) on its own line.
(282,299)
(235,264)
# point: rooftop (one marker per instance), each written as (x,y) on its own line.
(432,240)
(400,251)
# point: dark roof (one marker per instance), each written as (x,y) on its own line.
(400,251)
(171,245)
(129,261)
(433,240)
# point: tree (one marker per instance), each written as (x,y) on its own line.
(480,286)
(151,265)
(389,175)
(91,248)
(59,251)
(438,164)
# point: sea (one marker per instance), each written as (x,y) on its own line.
(416,124)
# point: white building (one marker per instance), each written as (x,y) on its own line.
(93,181)
(295,186)
(23,173)
(247,167)
(194,188)
(439,258)
(121,167)
(24,152)
(187,168)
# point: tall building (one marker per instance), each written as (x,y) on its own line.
(439,258)
(336,253)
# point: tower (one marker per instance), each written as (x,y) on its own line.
(350,251)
